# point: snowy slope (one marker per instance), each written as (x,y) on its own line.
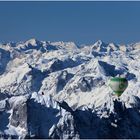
(60,90)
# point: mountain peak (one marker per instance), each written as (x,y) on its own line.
(99,43)
(99,46)
(32,42)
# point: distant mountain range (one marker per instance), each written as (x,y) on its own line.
(60,90)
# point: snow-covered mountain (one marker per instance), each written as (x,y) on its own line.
(60,90)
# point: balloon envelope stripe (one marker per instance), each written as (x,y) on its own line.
(118,91)
(118,80)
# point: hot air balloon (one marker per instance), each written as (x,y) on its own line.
(118,85)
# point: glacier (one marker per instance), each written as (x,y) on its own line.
(59,90)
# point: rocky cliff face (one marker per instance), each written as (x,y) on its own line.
(60,90)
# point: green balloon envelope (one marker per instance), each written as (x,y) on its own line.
(118,85)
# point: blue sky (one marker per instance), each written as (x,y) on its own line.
(81,22)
